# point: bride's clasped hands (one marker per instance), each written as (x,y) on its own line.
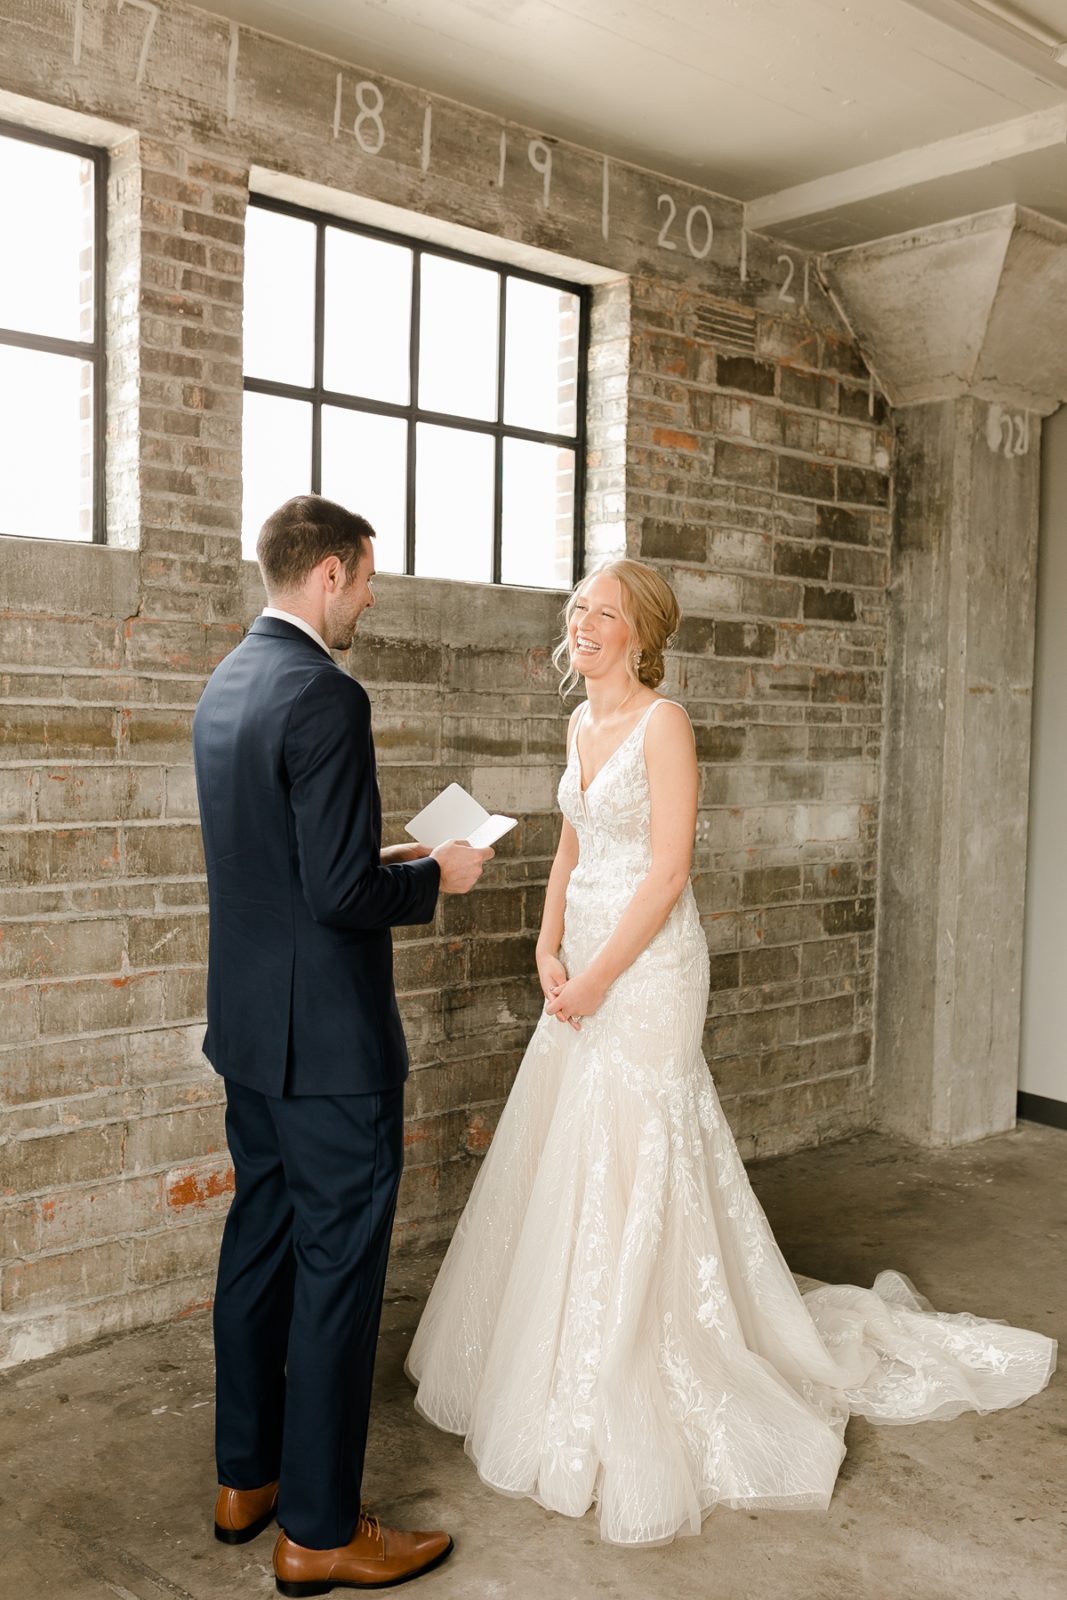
(575,998)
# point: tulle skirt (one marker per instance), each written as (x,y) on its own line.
(614,1324)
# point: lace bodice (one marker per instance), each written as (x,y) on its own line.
(612,818)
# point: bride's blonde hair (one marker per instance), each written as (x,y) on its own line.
(649,608)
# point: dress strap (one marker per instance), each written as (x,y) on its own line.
(583,712)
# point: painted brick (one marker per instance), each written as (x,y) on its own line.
(40,733)
(739,463)
(168,940)
(744,639)
(812,479)
(829,605)
(61,949)
(802,560)
(843,527)
(770,597)
(99,1005)
(98,794)
(720,742)
(18,794)
(199,1187)
(109,1210)
(868,568)
(503,958)
(848,916)
(166,1054)
(738,372)
(810,389)
(57,1280)
(177,1136)
(61,855)
(869,488)
(174,1253)
(862,404)
(55,1070)
(672,541)
(173,849)
(52,1161)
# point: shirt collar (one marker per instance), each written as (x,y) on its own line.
(297,622)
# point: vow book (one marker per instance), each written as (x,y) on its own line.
(455,814)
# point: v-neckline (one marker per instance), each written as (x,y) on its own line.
(583,789)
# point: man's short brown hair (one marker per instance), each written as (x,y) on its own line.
(303,532)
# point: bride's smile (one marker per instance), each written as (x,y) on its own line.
(598,633)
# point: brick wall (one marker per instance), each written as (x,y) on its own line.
(759,484)
(756,477)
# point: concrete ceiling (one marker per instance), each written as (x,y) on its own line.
(838,122)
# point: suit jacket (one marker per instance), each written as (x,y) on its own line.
(300,964)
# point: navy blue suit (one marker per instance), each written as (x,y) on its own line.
(303,1026)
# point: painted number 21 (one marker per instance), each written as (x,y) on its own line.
(1007,432)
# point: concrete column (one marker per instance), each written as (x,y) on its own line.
(965,326)
(953,857)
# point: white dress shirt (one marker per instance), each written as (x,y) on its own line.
(297,622)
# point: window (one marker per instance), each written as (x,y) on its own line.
(439,395)
(51,337)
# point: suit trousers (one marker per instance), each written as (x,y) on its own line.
(299,1295)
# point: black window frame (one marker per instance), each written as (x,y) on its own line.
(94,350)
(317,395)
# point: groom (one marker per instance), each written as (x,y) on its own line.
(303,1026)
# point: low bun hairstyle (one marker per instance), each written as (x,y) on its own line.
(650,609)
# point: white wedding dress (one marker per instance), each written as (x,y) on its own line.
(613,1321)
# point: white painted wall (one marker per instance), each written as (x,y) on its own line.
(1043,1066)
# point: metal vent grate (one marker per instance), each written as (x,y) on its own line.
(729,329)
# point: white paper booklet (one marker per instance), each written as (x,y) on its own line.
(455,814)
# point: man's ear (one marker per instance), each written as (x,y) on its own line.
(333,574)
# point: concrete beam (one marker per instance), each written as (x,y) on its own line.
(972,307)
(944,158)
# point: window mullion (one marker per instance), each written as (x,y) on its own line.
(80,349)
(413,406)
(99,430)
(320,342)
(578,552)
(498,443)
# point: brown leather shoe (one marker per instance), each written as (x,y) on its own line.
(242,1513)
(374,1558)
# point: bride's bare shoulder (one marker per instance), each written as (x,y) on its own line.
(673,714)
(670,728)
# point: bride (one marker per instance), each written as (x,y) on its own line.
(613,1321)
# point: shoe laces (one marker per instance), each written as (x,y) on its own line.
(368,1520)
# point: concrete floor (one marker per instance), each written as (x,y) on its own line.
(109,1482)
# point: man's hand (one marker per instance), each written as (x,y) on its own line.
(461,865)
(394,853)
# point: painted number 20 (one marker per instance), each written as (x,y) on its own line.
(699,229)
